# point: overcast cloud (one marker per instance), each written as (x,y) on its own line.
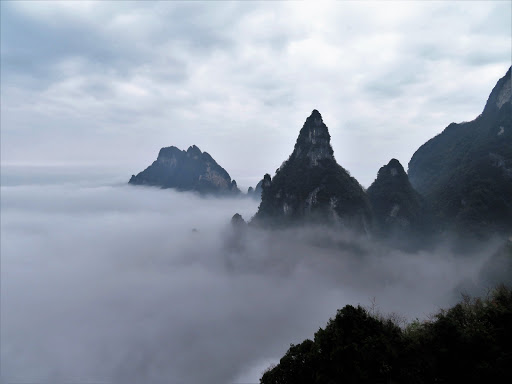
(105,282)
(113,82)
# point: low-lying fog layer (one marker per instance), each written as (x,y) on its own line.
(114,283)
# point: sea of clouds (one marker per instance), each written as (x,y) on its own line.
(102,282)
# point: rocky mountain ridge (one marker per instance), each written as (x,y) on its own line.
(312,186)
(397,207)
(465,172)
(190,170)
(460,179)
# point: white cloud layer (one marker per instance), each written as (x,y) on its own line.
(105,282)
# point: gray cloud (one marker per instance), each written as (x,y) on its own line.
(116,82)
(102,282)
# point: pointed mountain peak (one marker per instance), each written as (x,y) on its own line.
(393,172)
(505,94)
(312,187)
(501,93)
(396,205)
(195,153)
(315,119)
(193,150)
(395,168)
(315,114)
(314,141)
(394,162)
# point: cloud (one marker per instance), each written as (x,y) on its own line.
(104,282)
(118,82)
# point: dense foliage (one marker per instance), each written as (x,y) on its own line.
(470,343)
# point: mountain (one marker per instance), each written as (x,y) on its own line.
(499,266)
(466,343)
(190,170)
(255,193)
(311,185)
(398,209)
(465,172)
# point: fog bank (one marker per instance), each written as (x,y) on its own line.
(105,282)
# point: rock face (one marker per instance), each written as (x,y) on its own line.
(190,170)
(465,172)
(310,185)
(398,209)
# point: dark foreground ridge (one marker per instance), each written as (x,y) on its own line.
(190,170)
(468,343)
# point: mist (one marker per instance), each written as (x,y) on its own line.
(105,282)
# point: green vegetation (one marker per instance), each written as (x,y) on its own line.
(469,343)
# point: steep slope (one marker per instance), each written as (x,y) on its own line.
(190,170)
(465,172)
(398,209)
(311,186)
(466,343)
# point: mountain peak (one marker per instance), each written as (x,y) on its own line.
(194,151)
(393,172)
(315,113)
(465,172)
(395,168)
(168,152)
(311,186)
(190,170)
(396,205)
(501,93)
(314,141)
(505,94)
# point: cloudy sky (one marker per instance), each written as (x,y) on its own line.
(113,82)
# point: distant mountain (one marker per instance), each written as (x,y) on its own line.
(398,209)
(311,185)
(255,193)
(465,172)
(190,170)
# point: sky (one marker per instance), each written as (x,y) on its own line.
(102,282)
(111,83)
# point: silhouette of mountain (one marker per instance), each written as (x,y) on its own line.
(398,209)
(190,170)
(311,186)
(465,172)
